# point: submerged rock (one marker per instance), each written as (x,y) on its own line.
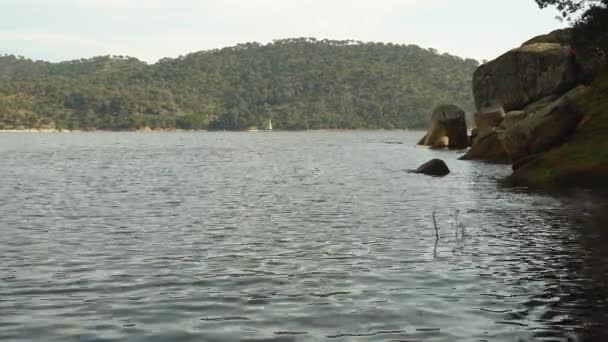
(448,128)
(435,167)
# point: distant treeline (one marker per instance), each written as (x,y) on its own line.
(298,83)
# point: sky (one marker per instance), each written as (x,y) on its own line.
(56,30)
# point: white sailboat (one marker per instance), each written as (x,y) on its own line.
(269,126)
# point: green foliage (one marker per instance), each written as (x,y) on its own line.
(569,7)
(298,83)
(590,35)
(590,29)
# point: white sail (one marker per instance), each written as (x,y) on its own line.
(269,127)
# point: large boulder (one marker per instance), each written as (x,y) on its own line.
(524,75)
(561,37)
(541,103)
(582,160)
(448,128)
(442,142)
(587,67)
(485,145)
(487,120)
(511,118)
(487,148)
(435,167)
(545,128)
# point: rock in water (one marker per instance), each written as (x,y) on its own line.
(485,145)
(448,128)
(441,143)
(487,148)
(487,120)
(522,76)
(435,167)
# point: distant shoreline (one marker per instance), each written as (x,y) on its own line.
(35,130)
(45,130)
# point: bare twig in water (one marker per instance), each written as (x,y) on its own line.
(462,230)
(436,235)
(436,228)
(455,223)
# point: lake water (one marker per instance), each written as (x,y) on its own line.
(277,236)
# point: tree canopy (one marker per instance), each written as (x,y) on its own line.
(590,27)
(568,7)
(299,83)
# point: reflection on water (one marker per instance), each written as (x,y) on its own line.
(286,237)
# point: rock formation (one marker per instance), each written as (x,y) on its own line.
(487,148)
(554,127)
(561,36)
(435,167)
(485,144)
(545,128)
(522,76)
(448,128)
(487,121)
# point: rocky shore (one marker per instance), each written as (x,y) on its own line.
(540,108)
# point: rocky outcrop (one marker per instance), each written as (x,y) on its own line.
(583,159)
(543,129)
(487,121)
(485,144)
(523,76)
(443,142)
(561,37)
(487,148)
(448,128)
(554,128)
(543,102)
(511,118)
(435,167)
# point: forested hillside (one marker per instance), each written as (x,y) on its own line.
(298,83)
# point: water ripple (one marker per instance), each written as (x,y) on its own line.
(286,237)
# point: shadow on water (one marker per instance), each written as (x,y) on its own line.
(575,269)
(572,265)
(577,298)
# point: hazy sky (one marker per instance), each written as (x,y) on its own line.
(151,29)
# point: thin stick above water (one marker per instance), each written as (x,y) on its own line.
(436,228)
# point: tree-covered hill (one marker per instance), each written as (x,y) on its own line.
(298,83)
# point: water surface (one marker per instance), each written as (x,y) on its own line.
(274,236)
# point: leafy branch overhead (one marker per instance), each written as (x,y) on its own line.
(590,27)
(569,7)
